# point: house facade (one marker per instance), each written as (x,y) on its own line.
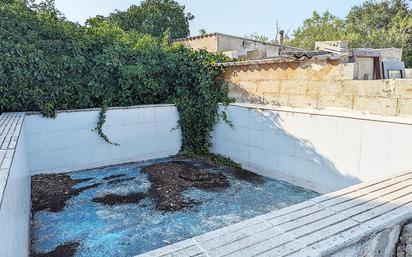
(234,46)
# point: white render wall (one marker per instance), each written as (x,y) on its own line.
(67,143)
(319,150)
(15,206)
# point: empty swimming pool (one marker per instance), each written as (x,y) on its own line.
(129,209)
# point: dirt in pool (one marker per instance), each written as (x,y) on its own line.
(114,199)
(65,250)
(169,180)
(52,191)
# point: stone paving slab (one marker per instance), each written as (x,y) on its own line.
(312,228)
(10,127)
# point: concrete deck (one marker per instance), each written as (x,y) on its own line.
(324,226)
(10,126)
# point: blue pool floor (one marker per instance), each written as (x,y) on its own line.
(130,229)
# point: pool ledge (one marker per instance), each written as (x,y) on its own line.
(10,127)
(363,218)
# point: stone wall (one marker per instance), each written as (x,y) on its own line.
(318,85)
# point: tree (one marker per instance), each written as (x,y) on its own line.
(266,39)
(48,63)
(154,17)
(256,36)
(370,17)
(386,23)
(381,24)
(202,32)
(319,27)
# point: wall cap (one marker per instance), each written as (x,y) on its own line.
(332,112)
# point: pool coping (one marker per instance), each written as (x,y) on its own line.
(109,108)
(320,226)
(10,129)
(330,112)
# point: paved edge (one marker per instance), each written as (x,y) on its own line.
(10,128)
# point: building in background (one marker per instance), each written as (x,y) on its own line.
(371,63)
(235,47)
(367,63)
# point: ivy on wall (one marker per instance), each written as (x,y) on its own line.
(197,97)
(48,63)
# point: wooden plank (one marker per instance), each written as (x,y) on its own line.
(245,242)
(376,202)
(10,127)
(241,226)
(353,234)
(314,227)
(261,246)
(302,221)
(328,231)
(236,236)
(7,133)
(171,249)
(278,220)
(384,208)
(282,250)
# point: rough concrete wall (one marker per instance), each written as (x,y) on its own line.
(365,70)
(228,43)
(391,53)
(320,86)
(404,248)
(408,73)
(207,43)
(381,244)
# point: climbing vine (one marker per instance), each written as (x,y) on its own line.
(198,93)
(49,64)
(100,123)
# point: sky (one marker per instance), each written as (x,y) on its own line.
(235,17)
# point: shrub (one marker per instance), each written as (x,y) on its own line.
(49,64)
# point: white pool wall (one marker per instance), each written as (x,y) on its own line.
(320,150)
(68,142)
